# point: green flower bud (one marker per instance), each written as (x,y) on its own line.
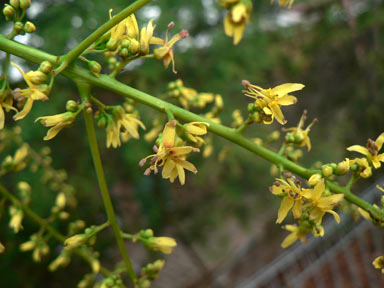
(95,68)
(45,67)
(251,107)
(18,26)
(124,53)
(102,122)
(134,47)
(24,4)
(29,27)
(37,77)
(71,106)
(125,43)
(15,3)
(9,11)
(327,170)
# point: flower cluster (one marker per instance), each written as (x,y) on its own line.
(125,40)
(308,205)
(237,17)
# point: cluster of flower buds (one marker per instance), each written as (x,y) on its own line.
(112,281)
(149,273)
(237,18)
(88,237)
(17,162)
(15,11)
(121,123)
(38,245)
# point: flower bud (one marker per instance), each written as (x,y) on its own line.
(71,106)
(75,241)
(24,4)
(102,122)
(327,170)
(112,44)
(134,47)
(342,167)
(15,3)
(314,179)
(9,11)
(18,26)
(45,67)
(124,53)
(2,248)
(95,68)
(37,77)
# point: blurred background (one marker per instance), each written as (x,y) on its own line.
(335,48)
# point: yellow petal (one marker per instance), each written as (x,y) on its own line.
(287,100)
(239,11)
(335,215)
(238,33)
(287,88)
(379,141)
(285,206)
(169,133)
(289,240)
(228,26)
(24,112)
(167,169)
(276,111)
(330,201)
(178,151)
(187,165)
(53,132)
(297,209)
(181,173)
(2,117)
(360,149)
(318,190)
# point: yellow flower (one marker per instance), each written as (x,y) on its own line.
(6,102)
(195,129)
(293,198)
(162,244)
(295,234)
(35,91)
(165,53)
(122,124)
(298,136)
(269,100)
(170,157)
(2,248)
(236,20)
(321,205)
(378,263)
(16,218)
(372,150)
(57,122)
(61,261)
(365,170)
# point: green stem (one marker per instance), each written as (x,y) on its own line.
(122,64)
(127,236)
(77,73)
(79,49)
(245,124)
(84,90)
(45,225)
(7,58)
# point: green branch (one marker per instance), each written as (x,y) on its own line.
(106,82)
(94,36)
(44,224)
(84,90)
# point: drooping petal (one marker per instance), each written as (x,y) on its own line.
(316,215)
(379,141)
(53,132)
(335,215)
(24,112)
(2,117)
(297,208)
(289,240)
(375,162)
(181,173)
(187,165)
(168,168)
(238,33)
(360,149)
(276,111)
(286,88)
(228,26)
(285,206)
(328,202)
